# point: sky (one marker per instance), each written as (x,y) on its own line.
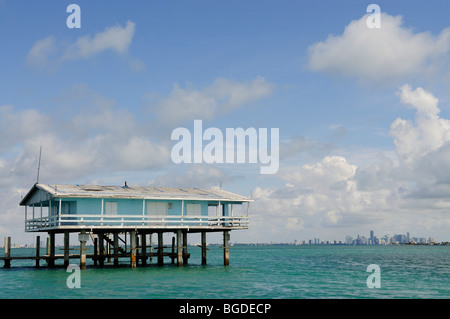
(363,113)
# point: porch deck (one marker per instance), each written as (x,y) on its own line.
(136,222)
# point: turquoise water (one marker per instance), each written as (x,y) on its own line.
(271,271)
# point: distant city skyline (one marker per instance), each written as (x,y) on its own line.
(372,239)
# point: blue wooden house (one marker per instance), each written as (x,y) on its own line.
(114,210)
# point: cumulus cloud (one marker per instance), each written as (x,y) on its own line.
(17,125)
(97,137)
(428,133)
(49,51)
(114,38)
(326,173)
(389,52)
(222,97)
(41,52)
(409,191)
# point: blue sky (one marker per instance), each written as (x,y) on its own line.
(102,100)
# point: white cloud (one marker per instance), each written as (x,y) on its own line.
(328,172)
(421,100)
(17,125)
(97,137)
(41,51)
(294,223)
(49,51)
(429,132)
(222,97)
(392,195)
(390,52)
(115,38)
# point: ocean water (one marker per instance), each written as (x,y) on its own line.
(256,272)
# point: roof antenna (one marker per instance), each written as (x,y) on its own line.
(220,186)
(39,165)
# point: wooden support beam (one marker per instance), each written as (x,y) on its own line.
(185,250)
(226,243)
(66,249)
(144,249)
(137,249)
(101,249)
(116,249)
(95,251)
(7,248)
(133,249)
(47,249)
(38,250)
(151,248)
(173,250)
(108,248)
(51,261)
(203,248)
(83,238)
(179,249)
(160,249)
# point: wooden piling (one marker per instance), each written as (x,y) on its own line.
(38,250)
(133,249)
(173,250)
(101,249)
(226,254)
(47,249)
(144,249)
(151,247)
(95,251)
(108,248)
(83,237)
(179,249)
(7,248)
(116,249)
(137,249)
(66,249)
(185,250)
(51,260)
(160,249)
(203,248)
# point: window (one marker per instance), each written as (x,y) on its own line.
(157,212)
(157,208)
(111,208)
(66,208)
(193,209)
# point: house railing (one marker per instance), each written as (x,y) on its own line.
(117,221)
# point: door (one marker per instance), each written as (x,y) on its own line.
(157,213)
(193,214)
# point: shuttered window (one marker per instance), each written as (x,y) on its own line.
(193,209)
(156,208)
(111,208)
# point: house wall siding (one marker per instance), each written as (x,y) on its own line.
(93,206)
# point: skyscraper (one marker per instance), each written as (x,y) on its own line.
(371,242)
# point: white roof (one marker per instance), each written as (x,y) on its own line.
(137,192)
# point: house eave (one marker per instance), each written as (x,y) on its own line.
(88,191)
